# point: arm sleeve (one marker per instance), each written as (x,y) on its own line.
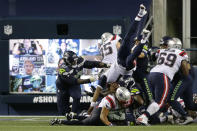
(93,64)
(66,75)
(71,80)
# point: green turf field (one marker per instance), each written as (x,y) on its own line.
(42,124)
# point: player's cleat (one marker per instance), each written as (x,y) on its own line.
(142,120)
(187,121)
(142,11)
(71,116)
(67,115)
(54,121)
(170,119)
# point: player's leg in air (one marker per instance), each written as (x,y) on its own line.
(128,41)
(112,74)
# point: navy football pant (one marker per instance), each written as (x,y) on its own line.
(160,86)
(127,44)
(63,98)
(184,89)
(94,119)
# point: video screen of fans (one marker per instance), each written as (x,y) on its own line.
(33,62)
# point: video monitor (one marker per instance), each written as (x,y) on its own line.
(33,62)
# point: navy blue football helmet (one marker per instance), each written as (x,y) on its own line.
(164,40)
(70,58)
(167,41)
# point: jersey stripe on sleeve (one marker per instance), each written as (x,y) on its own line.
(110,101)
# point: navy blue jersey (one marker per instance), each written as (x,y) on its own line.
(68,75)
(129,83)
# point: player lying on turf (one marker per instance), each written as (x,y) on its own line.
(113,101)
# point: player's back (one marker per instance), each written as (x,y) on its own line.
(109,50)
(169,61)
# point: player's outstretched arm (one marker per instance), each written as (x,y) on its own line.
(103,117)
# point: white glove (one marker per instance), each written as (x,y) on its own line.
(93,78)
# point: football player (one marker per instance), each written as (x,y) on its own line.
(169,61)
(142,69)
(70,69)
(108,48)
(99,116)
(125,63)
(183,88)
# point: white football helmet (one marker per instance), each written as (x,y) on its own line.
(171,43)
(106,37)
(123,94)
(178,43)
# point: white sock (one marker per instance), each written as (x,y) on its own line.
(153,108)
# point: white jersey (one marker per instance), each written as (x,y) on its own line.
(169,61)
(109,51)
(109,102)
(116,70)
